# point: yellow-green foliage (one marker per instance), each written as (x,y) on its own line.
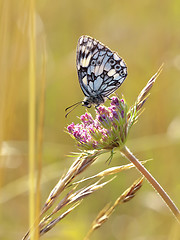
(146,34)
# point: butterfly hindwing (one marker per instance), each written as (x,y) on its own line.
(100,71)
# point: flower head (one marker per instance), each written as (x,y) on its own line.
(107,130)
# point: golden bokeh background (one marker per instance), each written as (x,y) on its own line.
(146,34)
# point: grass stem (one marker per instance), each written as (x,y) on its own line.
(129,155)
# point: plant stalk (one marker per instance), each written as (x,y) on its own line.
(129,155)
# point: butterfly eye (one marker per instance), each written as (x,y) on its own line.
(117,67)
(112,62)
(86,104)
(93,62)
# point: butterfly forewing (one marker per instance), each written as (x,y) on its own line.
(100,71)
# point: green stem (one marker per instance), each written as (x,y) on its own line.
(127,153)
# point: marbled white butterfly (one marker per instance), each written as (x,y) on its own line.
(100,71)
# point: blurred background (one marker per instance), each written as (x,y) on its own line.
(146,34)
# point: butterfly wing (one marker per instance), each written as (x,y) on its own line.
(100,71)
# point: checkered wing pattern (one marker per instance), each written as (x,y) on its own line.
(100,71)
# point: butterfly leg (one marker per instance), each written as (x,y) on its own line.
(96,107)
(109,98)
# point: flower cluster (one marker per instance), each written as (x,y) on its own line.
(106,131)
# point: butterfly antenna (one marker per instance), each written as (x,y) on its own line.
(73,107)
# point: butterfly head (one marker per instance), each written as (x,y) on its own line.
(93,100)
(87,102)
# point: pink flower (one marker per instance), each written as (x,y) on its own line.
(103,131)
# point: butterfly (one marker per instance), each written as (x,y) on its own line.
(100,71)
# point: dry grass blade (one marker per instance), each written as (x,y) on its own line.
(55,221)
(32,115)
(110,171)
(70,198)
(82,162)
(88,190)
(73,197)
(40,128)
(78,166)
(89,157)
(64,202)
(106,212)
(130,192)
(145,92)
(101,218)
(136,109)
